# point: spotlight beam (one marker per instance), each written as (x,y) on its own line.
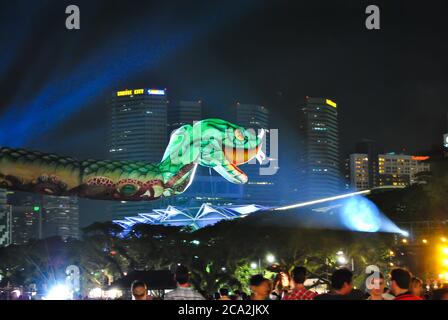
(309,203)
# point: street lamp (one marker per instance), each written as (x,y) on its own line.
(254,265)
(342,260)
(270,258)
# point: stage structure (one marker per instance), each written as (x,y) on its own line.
(196,217)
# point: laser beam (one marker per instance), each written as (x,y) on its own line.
(309,203)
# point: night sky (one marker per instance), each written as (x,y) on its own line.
(390,84)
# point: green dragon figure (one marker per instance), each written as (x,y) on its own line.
(213,143)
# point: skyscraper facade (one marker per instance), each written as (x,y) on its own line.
(394,170)
(61,217)
(319,164)
(368,147)
(359,171)
(138,132)
(27,219)
(260,188)
(445,139)
(35,217)
(138,125)
(5,220)
(401,170)
(183,112)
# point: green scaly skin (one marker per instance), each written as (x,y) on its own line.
(213,143)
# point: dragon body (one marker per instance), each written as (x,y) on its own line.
(213,143)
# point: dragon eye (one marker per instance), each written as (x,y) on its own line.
(128,190)
(239,135)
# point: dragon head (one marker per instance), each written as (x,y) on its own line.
(217,144)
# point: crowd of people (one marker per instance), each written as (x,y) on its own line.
(402,286)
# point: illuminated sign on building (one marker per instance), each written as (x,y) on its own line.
(130,92)
(126,93)
(420,158)
(156,92)
(331,103)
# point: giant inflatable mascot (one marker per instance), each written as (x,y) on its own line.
(212,143)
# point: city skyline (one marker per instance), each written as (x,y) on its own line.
(234,150)
(205,65)
(64,109)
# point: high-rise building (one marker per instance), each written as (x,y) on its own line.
(183,112)
(319,164)
(27,219)
(368,147)
(359,171)
(260,188)
(396,170)
(138,132)
(445,139)
(35,217)
(5,220)
(61,217)
(138,127)
(401,170)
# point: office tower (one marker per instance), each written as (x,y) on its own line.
(359,171)
(369,147)
(138,127)
(260,188)
(5,220)
(138,132)
(61,217)
(318,147)
(445,139)
(183,112)
(27,217)
(394,170)
(401,170)
(35,217)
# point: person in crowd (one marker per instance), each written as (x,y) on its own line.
(400,282)
(440,294)
(260,287)
(377,289)
(416,287)
(280,286)
(388,294)
(224,294)
(299,292)
(184,291)
(139,291)
(341,283)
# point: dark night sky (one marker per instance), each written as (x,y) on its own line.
(390,84)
